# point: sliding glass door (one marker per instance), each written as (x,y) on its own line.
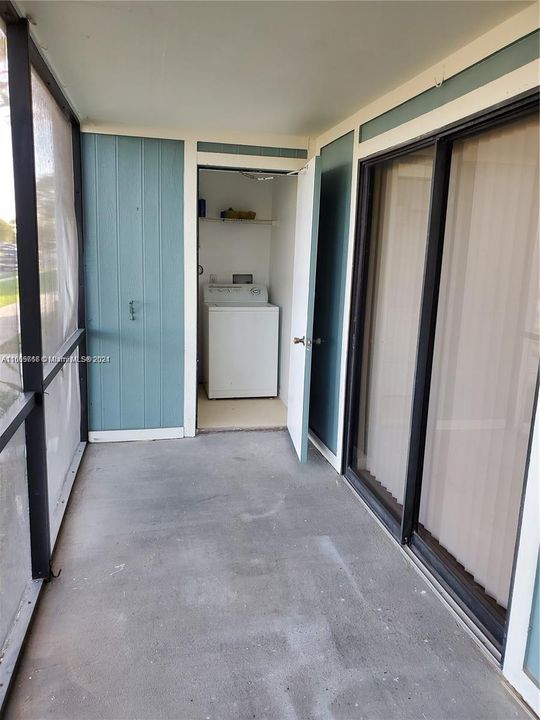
(394,276)
(485,360)
(445,350)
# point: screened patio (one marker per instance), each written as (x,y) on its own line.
(349,562)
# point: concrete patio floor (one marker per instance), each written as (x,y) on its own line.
(216,578)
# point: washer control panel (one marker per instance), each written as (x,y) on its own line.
(246,294)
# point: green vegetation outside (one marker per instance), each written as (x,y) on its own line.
(9,290)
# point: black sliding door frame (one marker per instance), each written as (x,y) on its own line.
(365,245)
(37,374)
(468,594)
(426,336)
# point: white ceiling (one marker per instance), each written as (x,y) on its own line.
(260,67)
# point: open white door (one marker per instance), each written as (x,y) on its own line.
(303,298)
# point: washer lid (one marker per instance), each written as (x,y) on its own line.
(238,294)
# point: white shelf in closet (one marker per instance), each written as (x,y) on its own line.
(237,220)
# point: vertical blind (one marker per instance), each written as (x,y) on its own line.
(486,353)
(397,259)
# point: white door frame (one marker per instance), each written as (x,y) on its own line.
(190,287)
(192,161)
(303,301)
(524,579)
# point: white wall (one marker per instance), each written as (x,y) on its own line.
(227,248)
(278,140)
(281,268)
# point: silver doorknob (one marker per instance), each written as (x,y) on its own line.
(299,341)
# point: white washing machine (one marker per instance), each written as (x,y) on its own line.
(241,342)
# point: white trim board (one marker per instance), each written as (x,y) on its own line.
(168,133)
(522,591)
(250,162)
(191,282)
(104,436)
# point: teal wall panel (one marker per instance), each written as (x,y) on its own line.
(510,58)
(532,653)
(133,222)
(172,297)
(232,149)
(129,278)
(153,328)
(108,320)
(334,215)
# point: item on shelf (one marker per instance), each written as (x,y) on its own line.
(202,207)
(231,214)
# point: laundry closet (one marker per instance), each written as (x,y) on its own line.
(246,243)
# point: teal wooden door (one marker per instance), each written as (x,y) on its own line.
(133,229)
(333,246)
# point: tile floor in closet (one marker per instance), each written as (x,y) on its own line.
(239,413)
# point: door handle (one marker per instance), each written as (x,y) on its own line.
(308,342)
(131,309)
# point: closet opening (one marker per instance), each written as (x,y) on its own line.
(245,245)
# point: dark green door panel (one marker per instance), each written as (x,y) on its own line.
(336,176)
